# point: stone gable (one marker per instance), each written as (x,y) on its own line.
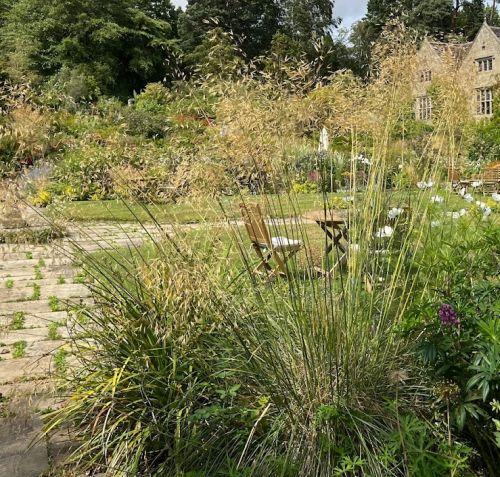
(477,64)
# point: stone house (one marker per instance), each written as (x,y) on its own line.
(477,64)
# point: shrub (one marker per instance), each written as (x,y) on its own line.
(153,99)
(144,123)
(77,83)
(456,327)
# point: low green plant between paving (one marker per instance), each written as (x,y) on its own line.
(19,349)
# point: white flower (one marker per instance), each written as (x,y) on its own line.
(476,184)
(468,197)
(422,185)
(481,205)
(384,232)
(394,212)
(364,160)
(349,198)
(435,223)
(486,212)
(462,191)
(495,196)
(437,198)
(457,215)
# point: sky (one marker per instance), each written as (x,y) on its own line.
(349,10)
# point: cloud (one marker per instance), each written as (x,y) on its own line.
(350,11)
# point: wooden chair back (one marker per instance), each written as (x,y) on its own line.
(492,172)
(254,222)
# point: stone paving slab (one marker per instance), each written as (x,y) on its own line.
(9,256)
(30,273)
(12,370)
(61,291)
(39,320)
(25,281)
(24,248)
(32,263)
(38,306)
(32,335)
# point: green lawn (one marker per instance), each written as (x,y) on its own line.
(189,211)
(200,210)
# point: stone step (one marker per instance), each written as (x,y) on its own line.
(32,263)
(24,281)
(65,291)
(31,389)
(10,256)
(31,335)
(13,370)
(26,247)
(120,242)
(52,272)
(22,453)
(39,306)
(33,350)
(39,320)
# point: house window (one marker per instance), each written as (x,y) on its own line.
(424,108)
(425,76)
(485,64)
(484,101)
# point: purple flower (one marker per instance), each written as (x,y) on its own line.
(448,315)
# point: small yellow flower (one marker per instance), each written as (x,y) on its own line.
(69,191)
(43,198)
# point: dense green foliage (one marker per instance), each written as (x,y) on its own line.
(464,356)
(87,48)
(84,45)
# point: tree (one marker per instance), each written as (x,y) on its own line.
(251,23)
(217,56)
(254,24)
(431,17)
(362,37)
(307,19)
(492,15)
(121,44)
(470,18)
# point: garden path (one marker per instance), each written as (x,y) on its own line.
(40,289)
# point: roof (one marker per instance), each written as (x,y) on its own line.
(457,50)
(496,31)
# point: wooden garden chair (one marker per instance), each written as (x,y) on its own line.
(269,249)
(489,178)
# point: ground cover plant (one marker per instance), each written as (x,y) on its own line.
(192,365)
